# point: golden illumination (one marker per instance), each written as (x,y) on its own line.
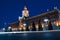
(29,27)
(24,28)
(42,25)
(20,28)
(36,25)
(57,23)
(14,29)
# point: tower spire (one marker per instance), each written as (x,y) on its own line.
(24,2)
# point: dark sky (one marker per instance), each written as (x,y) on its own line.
(11,9)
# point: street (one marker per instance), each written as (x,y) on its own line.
(48,35)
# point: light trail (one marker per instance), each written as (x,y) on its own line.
(28,32)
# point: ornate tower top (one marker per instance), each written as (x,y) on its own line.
(25,12)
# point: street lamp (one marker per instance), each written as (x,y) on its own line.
(3,29)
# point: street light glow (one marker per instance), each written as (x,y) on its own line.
(3,29)
(24,24)
(45,20)
(9,27)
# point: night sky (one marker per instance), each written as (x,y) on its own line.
(11,9)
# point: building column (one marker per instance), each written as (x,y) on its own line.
(27,27)
(33,26)
(40,26)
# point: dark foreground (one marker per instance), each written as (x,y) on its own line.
(32,36)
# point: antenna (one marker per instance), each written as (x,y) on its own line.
(24,2)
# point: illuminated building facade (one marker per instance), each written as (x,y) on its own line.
(38,22)
(44,21)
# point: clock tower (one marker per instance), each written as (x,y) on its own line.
(25,12)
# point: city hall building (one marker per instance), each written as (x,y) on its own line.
(43,21)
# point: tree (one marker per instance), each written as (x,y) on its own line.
(33,27)
(27,29)
(50,27)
